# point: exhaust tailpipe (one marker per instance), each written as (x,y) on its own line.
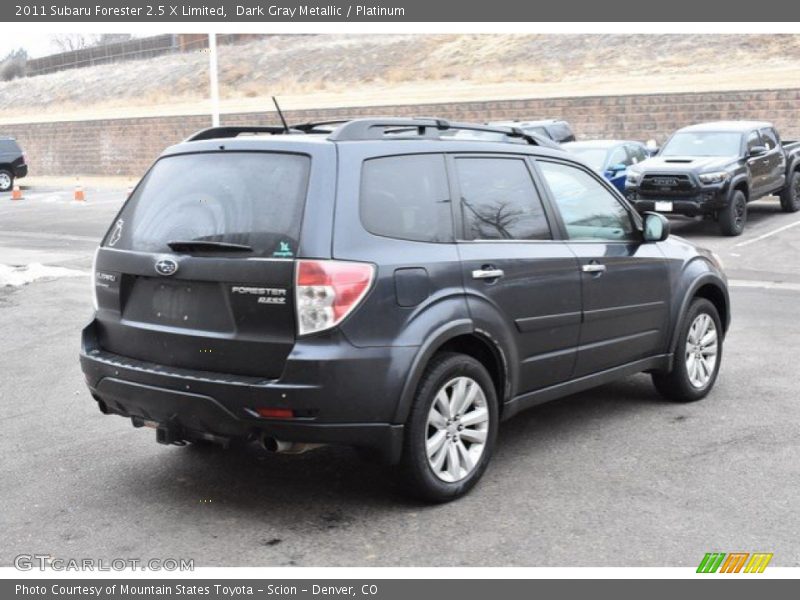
(270,444)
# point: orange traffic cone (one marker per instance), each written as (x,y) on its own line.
(79,195)
(16,193)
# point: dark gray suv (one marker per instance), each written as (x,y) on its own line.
(386,286)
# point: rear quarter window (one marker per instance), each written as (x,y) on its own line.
(9,146)
(407,197)
(251,198)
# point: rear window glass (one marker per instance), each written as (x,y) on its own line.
(250,198)
(9,146)
(407,197)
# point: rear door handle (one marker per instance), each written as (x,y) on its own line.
(593,268)
(487,273)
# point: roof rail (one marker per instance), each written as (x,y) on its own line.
(429,127)
(225,132)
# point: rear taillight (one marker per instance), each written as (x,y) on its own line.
(326,291)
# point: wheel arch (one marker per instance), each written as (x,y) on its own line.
(741,184)
(712,288)
(463,337)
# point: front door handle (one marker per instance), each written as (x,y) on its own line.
(593,268)
(487,273)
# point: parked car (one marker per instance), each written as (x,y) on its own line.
(401,293)
(715,169)
(552,129)
(12,163)
(610,158)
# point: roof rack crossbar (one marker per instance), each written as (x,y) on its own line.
(310,126)
(376,128)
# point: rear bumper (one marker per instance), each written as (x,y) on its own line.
(347,396)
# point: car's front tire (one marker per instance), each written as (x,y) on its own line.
(697,356)
(733,217)
(790,195)
(451,431)
(6,180)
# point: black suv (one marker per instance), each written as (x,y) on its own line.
(389,287)
(12,163)
(551,129)
(714,170)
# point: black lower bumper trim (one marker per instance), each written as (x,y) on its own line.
(184,416)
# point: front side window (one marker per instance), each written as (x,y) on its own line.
(407,197)
(589,210)
(753,140)
(638,153)
(499,201)
(769,137)
(619,157)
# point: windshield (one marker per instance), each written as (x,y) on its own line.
(703,143)
(595,157)
(253,199)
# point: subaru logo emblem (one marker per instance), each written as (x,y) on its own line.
(166,266)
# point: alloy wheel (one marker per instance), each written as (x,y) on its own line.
(457,429)
(701,350)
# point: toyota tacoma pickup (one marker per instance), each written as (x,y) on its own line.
(714,170)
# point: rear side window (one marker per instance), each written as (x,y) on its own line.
(499,201)
(250,198)
(407,197)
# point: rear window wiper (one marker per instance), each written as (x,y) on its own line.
(207,246)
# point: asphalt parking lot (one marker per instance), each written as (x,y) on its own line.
(610,477)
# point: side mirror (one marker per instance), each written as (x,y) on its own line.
(757,151)
(656,227)
(652,147)
(615,169)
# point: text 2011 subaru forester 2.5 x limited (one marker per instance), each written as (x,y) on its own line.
(386,286)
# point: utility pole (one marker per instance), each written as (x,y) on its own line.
(213,78)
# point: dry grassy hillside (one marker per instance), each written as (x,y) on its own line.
(329,70)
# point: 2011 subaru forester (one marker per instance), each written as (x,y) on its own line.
(389,286)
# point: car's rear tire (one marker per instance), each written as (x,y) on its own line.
(6,180)
(790,195)
(698,355)
(733,217)
(451,431)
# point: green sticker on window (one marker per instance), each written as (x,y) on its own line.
(283,251)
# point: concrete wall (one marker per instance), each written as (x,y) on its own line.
(128,146)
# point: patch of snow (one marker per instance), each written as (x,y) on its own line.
(11,276)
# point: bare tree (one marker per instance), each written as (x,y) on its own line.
(14,65)
(68,42)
